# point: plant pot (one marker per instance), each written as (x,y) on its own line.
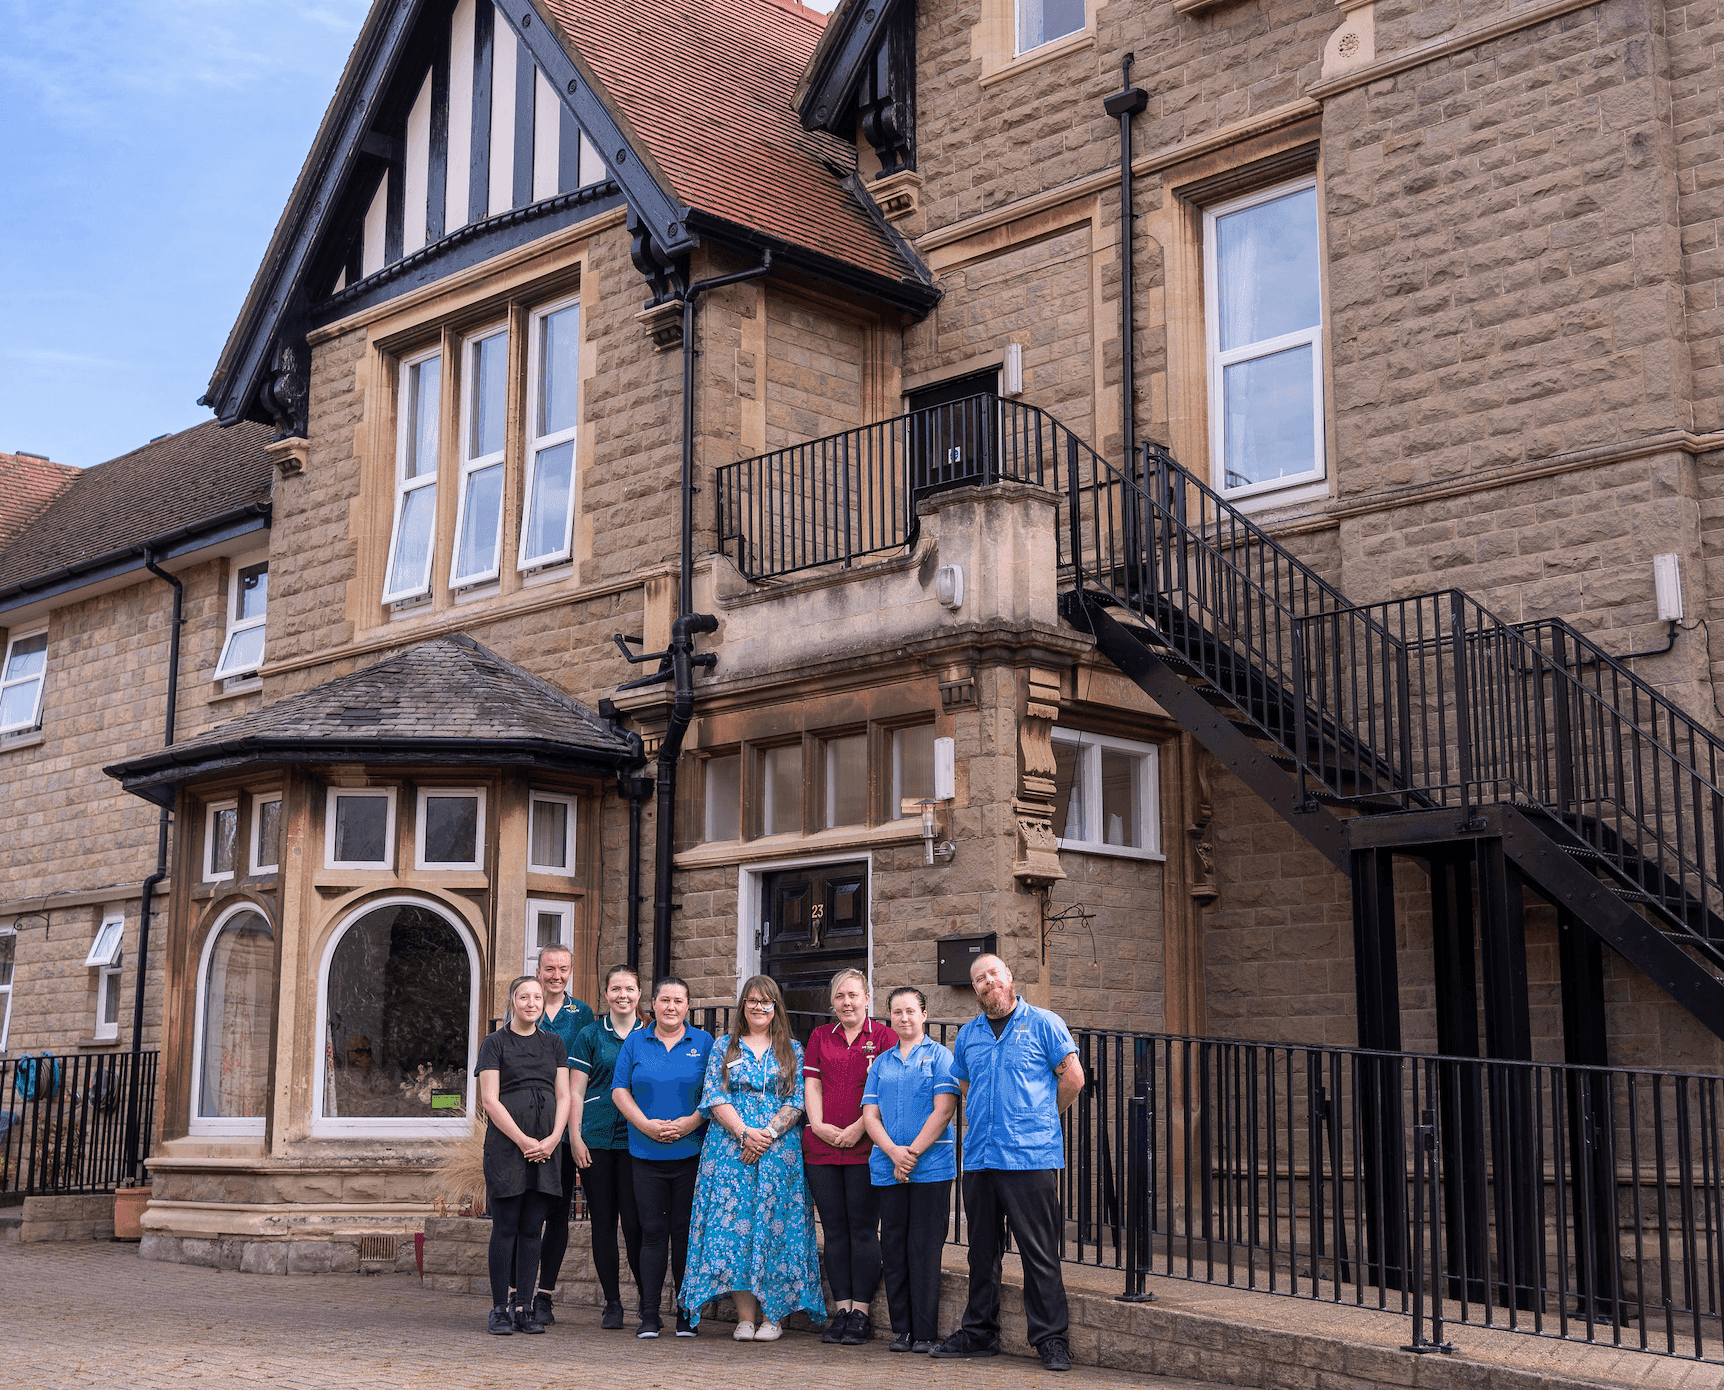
(129,1204)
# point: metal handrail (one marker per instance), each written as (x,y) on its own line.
(62,1121)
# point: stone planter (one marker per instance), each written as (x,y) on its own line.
(129,1204)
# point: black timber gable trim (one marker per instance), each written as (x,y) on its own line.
(914,296)
(828,102)
(469,246)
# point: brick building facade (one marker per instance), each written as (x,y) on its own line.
(1426,300)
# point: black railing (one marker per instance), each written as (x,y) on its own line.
(63,1121)
(1584,1203)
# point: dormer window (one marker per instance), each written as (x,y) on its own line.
(411,541)
(553,409)
(484,414)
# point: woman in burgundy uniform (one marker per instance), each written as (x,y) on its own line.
(835,1150)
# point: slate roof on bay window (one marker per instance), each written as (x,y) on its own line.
(707,84)
(449,702)
(168,485)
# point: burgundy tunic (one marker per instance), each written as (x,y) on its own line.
(842,1072)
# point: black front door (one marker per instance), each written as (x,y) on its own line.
(952,436)
(814,923)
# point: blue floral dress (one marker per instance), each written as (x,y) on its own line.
(753,1225)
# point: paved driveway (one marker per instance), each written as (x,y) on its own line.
(96,1315)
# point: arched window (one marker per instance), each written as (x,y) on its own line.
(397,1023)
(230,1047)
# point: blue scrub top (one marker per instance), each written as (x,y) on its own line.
(905,1091)
(665,1083)
(1011,1114)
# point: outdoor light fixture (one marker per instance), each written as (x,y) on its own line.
(1012,370)
(933,847)
(949,586)
(1667,579)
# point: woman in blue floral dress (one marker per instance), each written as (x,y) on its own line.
(753,1230)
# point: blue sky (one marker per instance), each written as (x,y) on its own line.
(146,151)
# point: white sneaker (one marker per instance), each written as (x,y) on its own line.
(745,1332)
(768,1332)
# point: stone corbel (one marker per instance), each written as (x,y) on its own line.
(290,454)
(1354,44)
(1037,862)
(958,690)
(897,195)
(1199,811)
(664,323)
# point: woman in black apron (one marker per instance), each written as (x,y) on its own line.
(524,1087)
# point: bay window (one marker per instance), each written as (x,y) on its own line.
(1263,280)
(412,539)
(551,834)
(359,829)
(450,828)
(230,1048)
(484,413)
(553,411)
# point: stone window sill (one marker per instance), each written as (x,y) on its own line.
(235,689)
(93,1044)
(1059,48)
(12,742)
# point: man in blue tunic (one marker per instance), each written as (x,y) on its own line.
(1018,1069)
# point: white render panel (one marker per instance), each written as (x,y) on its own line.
(460,117)
(592,167)
(376,224)
(502,122)
(547,122)
(416,178)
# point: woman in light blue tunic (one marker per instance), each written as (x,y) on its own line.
(753,1229)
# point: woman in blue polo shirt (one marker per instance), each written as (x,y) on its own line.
(656,1084)
(599,1136)
(907,1108)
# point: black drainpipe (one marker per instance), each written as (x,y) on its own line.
(1125,104)
(637,789)
(681,654)
(134,1095)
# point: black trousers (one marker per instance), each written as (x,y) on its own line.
(850,1217)
(1030,1202)
(664,1196)
(913,1218)
(610,1185)
(517,1224)
(557,1223)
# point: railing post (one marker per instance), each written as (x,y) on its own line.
(1138,1205)
(1297,738)
(1463,707)
(1074,509)
(1424,1151)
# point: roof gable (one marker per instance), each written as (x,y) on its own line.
(449,701)
(27,485)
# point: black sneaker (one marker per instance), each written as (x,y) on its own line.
(525,1321)
(685,1328)
(836,1325)
(965,1346)
(500,1322)
(925,1348)
(860,1330)
(1056,1354)
(612,1318)
(651,1325)
(902,1342)
(542,1309)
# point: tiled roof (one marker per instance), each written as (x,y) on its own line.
(27,485)
(707,84)
(169,484)
(448,701)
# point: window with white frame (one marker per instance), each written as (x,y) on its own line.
(359,828)
(1263,277)
(104,959)
(265,834)
(723,798)
(8,962)
(21,680)
(484,414)
(248,594)
(549,923)
(413,536)
(230,1048)
(912,768)
(551,834)
(1042,21)
(1106,795)
(397,1023)
(553,414)
(221,840)
(449,832)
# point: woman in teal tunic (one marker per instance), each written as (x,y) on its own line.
(753,1230)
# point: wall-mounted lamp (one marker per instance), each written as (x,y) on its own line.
(1667,580)
(949,586)
(1012,370)
(945,789)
